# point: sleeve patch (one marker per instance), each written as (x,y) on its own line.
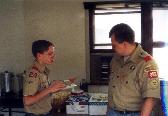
(152,74)
(33,74)
(154,84)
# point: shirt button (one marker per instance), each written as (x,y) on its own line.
(121,66)
(126,82)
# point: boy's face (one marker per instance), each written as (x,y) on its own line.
(47,57)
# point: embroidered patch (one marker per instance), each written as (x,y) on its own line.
(33,74)
(152,74)
(147,58)
(154,83)
(148,68)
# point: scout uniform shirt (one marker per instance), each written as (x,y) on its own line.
(36,80)
(133,80)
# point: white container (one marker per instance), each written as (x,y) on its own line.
(76,108)
(98,104)
(97,109)
(77,104)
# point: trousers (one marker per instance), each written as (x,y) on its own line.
(112,112)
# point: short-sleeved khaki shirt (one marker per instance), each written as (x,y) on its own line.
(133,80)
(36,80)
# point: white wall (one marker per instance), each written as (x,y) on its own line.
(12,40)
(63,23)
(59,21)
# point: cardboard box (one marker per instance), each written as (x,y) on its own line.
(98,104)
(77,104)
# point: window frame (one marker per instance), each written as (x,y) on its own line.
(146,28)
(132,11)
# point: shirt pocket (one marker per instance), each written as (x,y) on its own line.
(43,82)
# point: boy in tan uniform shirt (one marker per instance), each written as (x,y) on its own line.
(37,87)
(134,84)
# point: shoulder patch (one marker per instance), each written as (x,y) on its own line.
(147,58)
(152,74)
(147,68)
(33,73)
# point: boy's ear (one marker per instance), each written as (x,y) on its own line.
(38,55)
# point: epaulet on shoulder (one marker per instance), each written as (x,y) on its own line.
(146,57)
(35,69)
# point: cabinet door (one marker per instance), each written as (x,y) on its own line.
(100,68)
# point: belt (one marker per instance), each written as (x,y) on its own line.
(31,114)
(126,111)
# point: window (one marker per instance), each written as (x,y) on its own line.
(160,24)
(102,19)
(150,25)
(160,51)
(106,19)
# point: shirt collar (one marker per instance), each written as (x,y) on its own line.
(134,56)
(41,68)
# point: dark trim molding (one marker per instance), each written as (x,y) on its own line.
(92,5)
(146,27)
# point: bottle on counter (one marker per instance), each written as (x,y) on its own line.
(84,85)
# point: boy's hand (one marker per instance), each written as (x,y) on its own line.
(56,86)
(72,79)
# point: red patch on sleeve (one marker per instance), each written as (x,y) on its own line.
(152,74)
(147,58)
